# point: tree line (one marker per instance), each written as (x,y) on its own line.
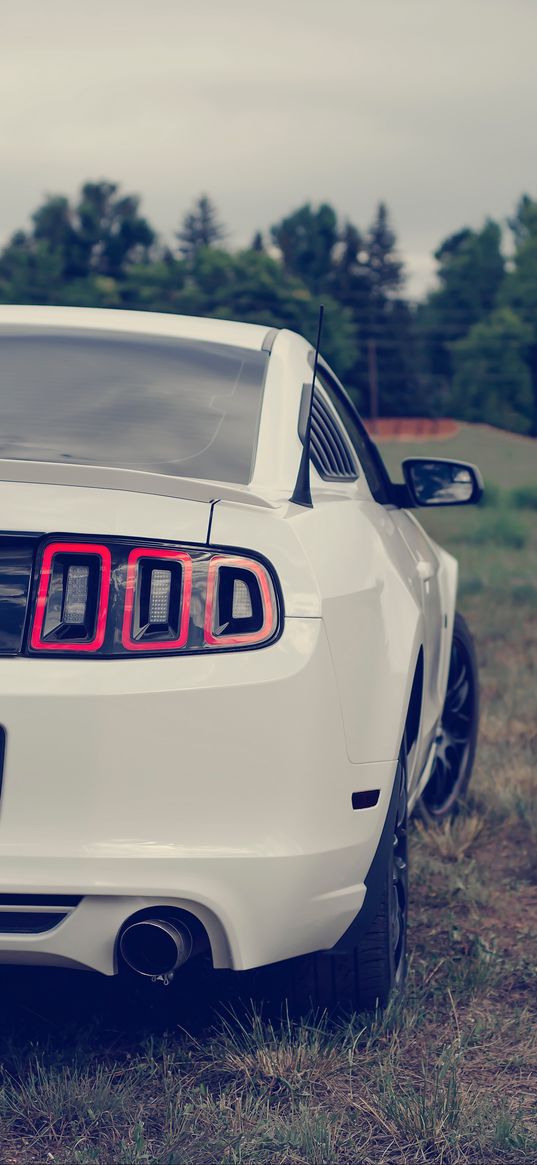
(468,350)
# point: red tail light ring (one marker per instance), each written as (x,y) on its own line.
(131,644)
(37,642)
(115,597)
(244,639)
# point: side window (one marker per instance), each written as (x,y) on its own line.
(375,471)
(331,451)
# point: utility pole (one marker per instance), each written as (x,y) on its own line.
(373,383)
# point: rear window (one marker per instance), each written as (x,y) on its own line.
(177,407)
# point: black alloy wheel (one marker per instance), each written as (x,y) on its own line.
(457,736)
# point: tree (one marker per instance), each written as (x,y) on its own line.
(471,271)
(307,239)
(251,286)
(54,224)
(77,254)
(30,271)
(110,231)
(519,292)
(200,228)
(523,224)
(350,281)
(383,264)
(492,379)
(366,276)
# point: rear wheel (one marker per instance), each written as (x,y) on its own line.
(362,976)
(457,737)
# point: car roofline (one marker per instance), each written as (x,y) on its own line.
(256,337)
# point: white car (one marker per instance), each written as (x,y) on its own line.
(221,694)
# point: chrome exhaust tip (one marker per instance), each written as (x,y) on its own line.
(156,947)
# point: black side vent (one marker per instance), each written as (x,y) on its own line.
(29,922)
(34,913)
(330,453)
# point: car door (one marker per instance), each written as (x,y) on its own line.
(418,559)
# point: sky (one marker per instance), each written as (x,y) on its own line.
(429,105)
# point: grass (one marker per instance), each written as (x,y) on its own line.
(94,1071)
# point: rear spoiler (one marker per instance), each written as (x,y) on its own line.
(131,480)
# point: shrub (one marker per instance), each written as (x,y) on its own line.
(524,498)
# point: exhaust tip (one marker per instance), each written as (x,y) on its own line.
(155,947)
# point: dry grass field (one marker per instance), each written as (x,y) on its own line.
(96,1071)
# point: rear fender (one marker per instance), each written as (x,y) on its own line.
(339,562)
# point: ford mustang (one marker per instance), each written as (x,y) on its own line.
(230,660)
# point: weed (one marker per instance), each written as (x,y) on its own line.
(452,838)
(424,1108)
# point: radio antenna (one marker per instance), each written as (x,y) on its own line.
(301,495)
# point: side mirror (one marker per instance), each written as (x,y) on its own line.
(439,482)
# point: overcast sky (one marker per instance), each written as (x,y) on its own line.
(427,104)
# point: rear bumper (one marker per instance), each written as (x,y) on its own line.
(219,785)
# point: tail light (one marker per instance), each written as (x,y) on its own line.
(158,596)
(239,607)
(114,598)
(72,598)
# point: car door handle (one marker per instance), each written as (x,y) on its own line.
(425,569)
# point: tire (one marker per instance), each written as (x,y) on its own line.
(457,736)
(361,977)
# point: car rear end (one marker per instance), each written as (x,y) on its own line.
(171,735)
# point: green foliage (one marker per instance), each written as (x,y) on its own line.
(385,269)
(525,498)
(362,274)
(491,377)
(72,249)
(470,274)
(201,228)
(520,289)
(109,231)
(306,240)
(31,271)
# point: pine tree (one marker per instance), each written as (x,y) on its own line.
(200,228)
(384,266)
